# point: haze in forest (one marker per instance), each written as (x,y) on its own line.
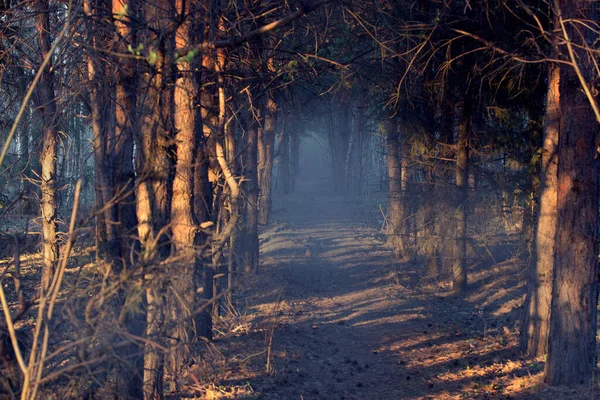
(307,199)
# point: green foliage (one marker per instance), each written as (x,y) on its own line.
(136,51)
(188,57)
(153,57)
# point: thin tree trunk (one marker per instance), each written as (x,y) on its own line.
(396,212)
(459,271)
(294,158)
(265,161)
(359,163)
(431,243)
(284,162)
(408,220)
(249,246)
(536,326)
(49,153)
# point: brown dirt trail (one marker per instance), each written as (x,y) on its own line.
(332,316)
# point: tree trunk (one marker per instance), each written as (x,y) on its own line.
(184,226)
(572,348)
(396,213)
(266,146)
(154,190)
(536,326)
(430,241)
(359,166)
(284,162)
(408,222)
(459,271)
(123,171)
(48,158)
(249,245)
(106,217)
(203,191)
(294,157)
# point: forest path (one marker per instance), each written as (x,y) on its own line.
(338,307)
(345,321)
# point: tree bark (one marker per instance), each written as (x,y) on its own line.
(284,162)
(294,157)
(572,348)
(154,190)
(184,226)
(48,158)
(266,146)
(536,326)
(123,171)
(106,216)
(459,270)
(395,217)
(249,245)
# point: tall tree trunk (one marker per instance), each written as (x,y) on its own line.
(284,162)
(106,217)
(572,347)
(408,221)
(266,146)
(396,211)
(123,171)
(459,271)
(536,326)
(154,190)
(49,155)
(431,242)
(206,121)
(249,245)
(184,226)
(359,162)
(294,157)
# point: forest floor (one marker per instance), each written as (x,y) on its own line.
(332,316)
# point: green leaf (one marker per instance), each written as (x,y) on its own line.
(137,51)
(188,57)
(152,57)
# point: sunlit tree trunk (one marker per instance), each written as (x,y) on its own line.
(572,348)
(184,225)
(48,158)
(536,327)
(459,271)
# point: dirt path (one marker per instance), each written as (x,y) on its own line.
(346,322)
(337,309)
